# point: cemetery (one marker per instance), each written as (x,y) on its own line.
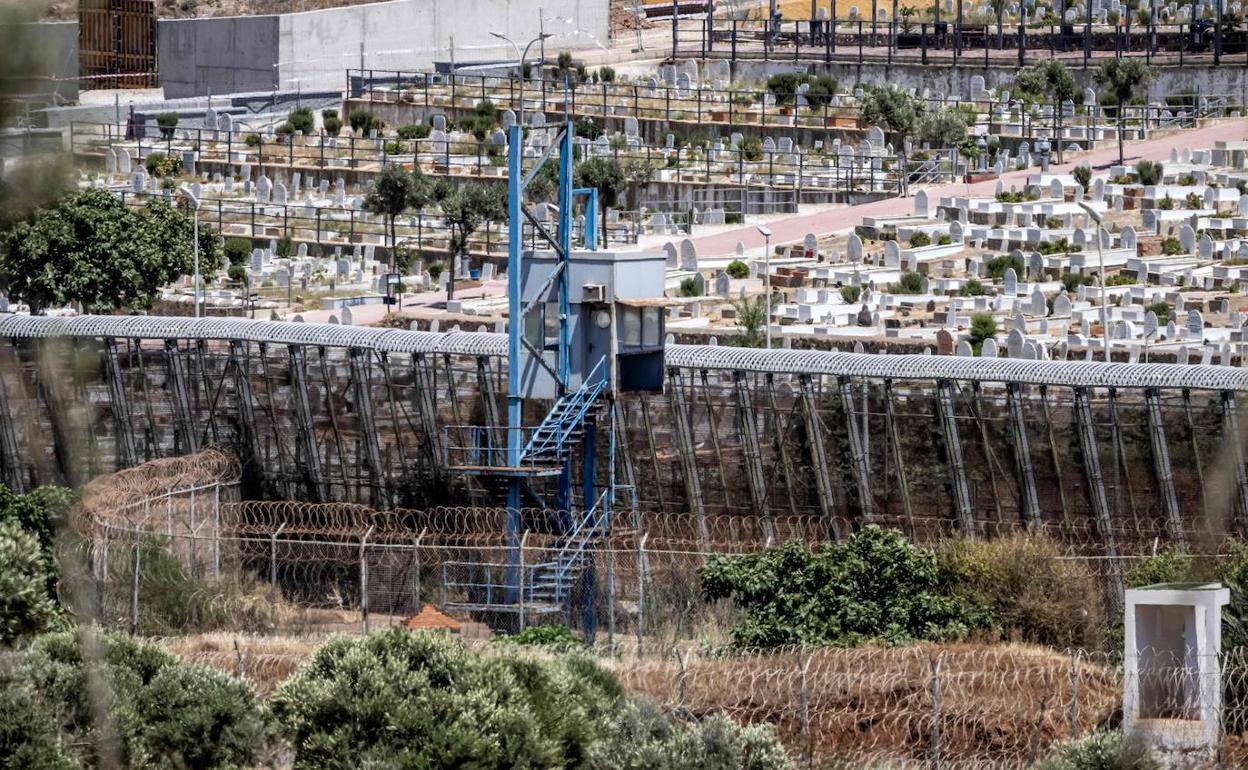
(392,388)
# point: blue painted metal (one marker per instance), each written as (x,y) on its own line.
(515,400)
(591,215)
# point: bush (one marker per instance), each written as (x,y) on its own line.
(920,239)
(167,122)
(1101,751)
(1083,175)
(1167,566)
(973,287)
(998,265)
(983,327)
(689,288)
(751,148)
(1171,246)
(1033,594)
(910,283)
(552,636)
(641,737)
(1148,172)
(413,131)
(332,126)
(238,250)
(1164,313)
(403,699)
(160,165)
(873,586)
(26,607)
(302,119)
(738,269)
(237,274)
(253,140)
(587,128)
(364,122)
(435,269)
(606,74)
(160,713)
(1072,281)
(851,294)
(945,240)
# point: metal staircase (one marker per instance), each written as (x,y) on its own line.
(551,582)
(561,431)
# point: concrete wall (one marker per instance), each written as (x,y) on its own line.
(313,50)
(1230,79)
(58,43)
(225,55)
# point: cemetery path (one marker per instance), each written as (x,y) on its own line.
(793,229)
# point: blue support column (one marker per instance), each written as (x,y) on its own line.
(515,327)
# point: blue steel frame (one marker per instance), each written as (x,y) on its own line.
(516,183)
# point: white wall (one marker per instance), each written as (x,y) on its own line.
(317,47)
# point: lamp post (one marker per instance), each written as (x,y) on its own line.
(195,203)
(520,65)
(766,233)
(1095,216)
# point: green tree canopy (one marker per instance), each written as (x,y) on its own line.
(1123,79)
(394,191)
(892,109)
(91,249)
(26,609)
(942,128)
(1051,81)
(465,210)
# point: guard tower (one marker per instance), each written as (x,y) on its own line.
(583,325)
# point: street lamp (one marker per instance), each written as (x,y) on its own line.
(195,203)
(766,233)
(520,64)
(1100,257)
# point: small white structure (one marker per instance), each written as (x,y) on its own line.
(1172,681)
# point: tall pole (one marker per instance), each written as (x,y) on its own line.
(1100,257)
(197,261)
(515,400)
(767,285)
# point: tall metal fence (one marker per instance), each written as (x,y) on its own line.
(174,551)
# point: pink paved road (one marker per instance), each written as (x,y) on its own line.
(794,228)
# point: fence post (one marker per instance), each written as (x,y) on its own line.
(1073,712)
(364,582)
(804,710)
(273,554)
(193,547)
(934,738)
(524,539)
(641,588)
(216,532)
(134,592)
(416,566)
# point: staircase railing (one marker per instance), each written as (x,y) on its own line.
(574,544)
(567,413)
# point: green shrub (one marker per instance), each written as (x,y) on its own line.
(285,246)
(1083,175)
(689,288)
(1101,751)
(413,131)
(983,327)
(159,713)
(587,128)
(1166,203)
(738,269)
(167,122)
(238,250)
(910,283)
(641,737)
(1164,313)
(552,636)
(851,294)
(1149,172)
(606,74)
(302,119)
(1072,281)
(363,122)
(751,148)
(160,165)
(1119,280)
(435,269)
(26,606)
(1194,201)
(1033,593)
(237,274)
(874,586)
(252,140)
(920,239)
(403,699)
(332,126)
(998,265)
(972,287)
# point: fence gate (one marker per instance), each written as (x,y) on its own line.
(117,44)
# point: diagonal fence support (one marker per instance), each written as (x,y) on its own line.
(1022,454)
(1096,482)
(1161,466)
(953,449)
(858,456)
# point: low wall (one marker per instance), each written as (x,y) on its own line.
(313,50)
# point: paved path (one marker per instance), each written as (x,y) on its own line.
(794,228)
